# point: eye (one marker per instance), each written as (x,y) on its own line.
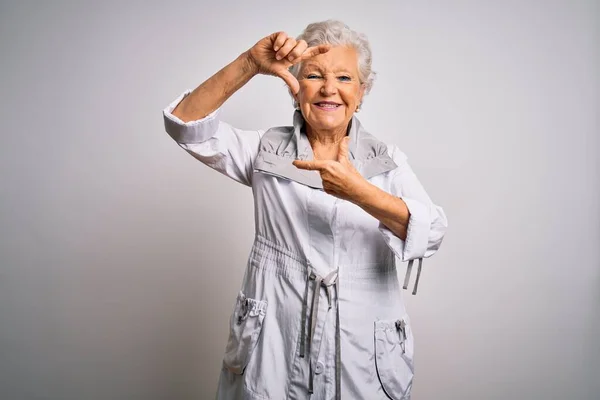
(312,76)
(344,78)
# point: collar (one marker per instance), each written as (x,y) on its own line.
(279,146)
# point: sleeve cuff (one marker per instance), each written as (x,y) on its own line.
(417,237)
(196,131)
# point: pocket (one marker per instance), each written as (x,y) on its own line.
(394,357)
(246,325)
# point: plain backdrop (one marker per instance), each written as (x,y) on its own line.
(121,255)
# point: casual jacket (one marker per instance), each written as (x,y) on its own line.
(320,313)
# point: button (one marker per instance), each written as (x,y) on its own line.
(319,368)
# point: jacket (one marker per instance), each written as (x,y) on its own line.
(320,312)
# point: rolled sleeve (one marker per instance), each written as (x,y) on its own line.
(417,237)
(218,145)
(427,222)
(190,132)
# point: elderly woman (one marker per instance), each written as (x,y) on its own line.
(320,312)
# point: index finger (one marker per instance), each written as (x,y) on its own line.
(315,51)
(309,165)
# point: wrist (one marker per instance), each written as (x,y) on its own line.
(249,65)
(364,193)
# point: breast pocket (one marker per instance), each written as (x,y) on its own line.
(394,357)
(246,326)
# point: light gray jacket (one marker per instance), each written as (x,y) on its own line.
(320,312)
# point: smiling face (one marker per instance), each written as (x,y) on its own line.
(330,89)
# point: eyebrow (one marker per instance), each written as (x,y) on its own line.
(317,66)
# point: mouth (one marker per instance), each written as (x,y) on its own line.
(327,105)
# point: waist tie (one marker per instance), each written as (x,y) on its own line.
(329,281)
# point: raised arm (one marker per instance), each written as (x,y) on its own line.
(192,119)
(213,92)
(272,55)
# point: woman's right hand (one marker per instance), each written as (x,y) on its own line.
(274,54)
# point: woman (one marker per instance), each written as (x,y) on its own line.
(320,311)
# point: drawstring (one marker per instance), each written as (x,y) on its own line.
(338,353)
(407,277)
(303,323)
(329,281)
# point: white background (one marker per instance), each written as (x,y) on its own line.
(121,255)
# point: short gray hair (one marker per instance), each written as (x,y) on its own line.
(336,33)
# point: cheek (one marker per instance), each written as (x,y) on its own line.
(305,93)
(351,95)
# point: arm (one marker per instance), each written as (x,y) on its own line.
(427,221)
(215,143)
(213,92)
(192,119)
(412,226)
(272,55)
(390,210)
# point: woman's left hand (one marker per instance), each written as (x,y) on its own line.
(340,178)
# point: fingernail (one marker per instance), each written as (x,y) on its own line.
(276,48)
(291,58)
(278,57)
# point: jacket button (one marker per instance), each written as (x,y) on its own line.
(319,368)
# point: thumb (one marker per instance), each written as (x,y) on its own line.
(343,151)
(289,80)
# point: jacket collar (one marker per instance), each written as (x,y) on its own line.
(281,145)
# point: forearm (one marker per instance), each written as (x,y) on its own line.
(213,92)
(388,209)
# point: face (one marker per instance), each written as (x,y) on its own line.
(330,90)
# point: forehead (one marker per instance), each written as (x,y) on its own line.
(337,58)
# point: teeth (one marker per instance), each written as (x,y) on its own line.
(327,105)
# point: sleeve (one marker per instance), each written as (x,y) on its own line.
(215,143)
(427,222)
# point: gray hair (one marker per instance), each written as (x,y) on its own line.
(336,33)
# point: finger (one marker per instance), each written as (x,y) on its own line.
(309,165)
(297,50)
(343,150)
(280,39)
(289,80)
(289,44)
(315,51)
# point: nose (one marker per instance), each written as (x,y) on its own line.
(329,87)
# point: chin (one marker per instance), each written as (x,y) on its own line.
(326,123)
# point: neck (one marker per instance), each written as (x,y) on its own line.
(326,136)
